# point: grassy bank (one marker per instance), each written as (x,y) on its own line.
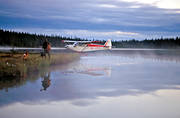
(13,66)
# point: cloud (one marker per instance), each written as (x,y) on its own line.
(99,34)
(97,15)
(89,34)
(86,34)
(125,13)
(107,6)
(167,4)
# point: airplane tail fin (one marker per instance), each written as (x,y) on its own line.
(108,44)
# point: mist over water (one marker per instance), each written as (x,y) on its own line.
(118,83)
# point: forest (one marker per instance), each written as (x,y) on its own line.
(21,39)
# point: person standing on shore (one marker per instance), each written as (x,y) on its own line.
(47,47)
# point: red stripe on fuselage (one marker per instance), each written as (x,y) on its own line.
(94,45)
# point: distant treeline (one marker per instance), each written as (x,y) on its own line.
(152,43)
(20,39)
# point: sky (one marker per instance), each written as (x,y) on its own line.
(93,19)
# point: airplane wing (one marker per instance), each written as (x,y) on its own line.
(70,41)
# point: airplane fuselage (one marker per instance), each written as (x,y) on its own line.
(87,47)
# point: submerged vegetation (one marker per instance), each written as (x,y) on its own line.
(13,66)
(20,39)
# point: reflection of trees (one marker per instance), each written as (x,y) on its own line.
(30,76)
(17,82)
(11,83)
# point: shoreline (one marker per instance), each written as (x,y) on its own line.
(13,65)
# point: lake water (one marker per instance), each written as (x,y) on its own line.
(114,84)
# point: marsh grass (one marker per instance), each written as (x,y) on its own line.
(14,66)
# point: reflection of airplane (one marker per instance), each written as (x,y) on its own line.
(93,71)
(85,46)
(98,71)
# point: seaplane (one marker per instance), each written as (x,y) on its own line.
(87,46)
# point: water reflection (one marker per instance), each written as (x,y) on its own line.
(156,55)
(10,83)
(92,71)
(46,82)
(94,76)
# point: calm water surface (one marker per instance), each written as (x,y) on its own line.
(127,84)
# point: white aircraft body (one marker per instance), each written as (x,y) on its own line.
(86,46)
